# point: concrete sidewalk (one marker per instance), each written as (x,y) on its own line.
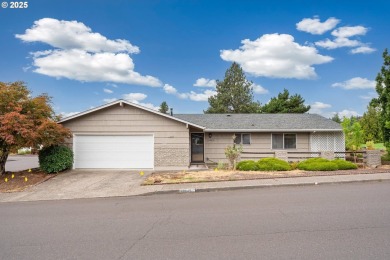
(260,183)
(41,193)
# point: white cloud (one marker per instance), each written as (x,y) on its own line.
(82,55)
(315,26)
(109,91)
(189,95)
(318,107)
(342,39)
(73,35)
(109,100)
(338,43)
(349,31)
(259,89)
(137,97)
(203,82)
(201,96)
(356,83)
(348,113)
(148,105)
(68,114)
(277,56)
(169,89)
(134,96)
(363,49)
(92,67)
(369,96)
(112,85)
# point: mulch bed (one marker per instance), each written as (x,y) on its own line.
(22,180)
(213,176)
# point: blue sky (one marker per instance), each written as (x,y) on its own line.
(86,53)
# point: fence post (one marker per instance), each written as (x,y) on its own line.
(282,155)
(329,155)
(372,158)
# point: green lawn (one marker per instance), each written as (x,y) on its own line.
(377,146)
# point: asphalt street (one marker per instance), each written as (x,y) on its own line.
(21,162)
(340,221)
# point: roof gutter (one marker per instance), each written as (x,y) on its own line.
(270,130)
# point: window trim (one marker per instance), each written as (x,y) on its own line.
(284,148)
(242,139)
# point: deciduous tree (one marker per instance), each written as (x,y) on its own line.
(354,135)
(371,125)
(26,121)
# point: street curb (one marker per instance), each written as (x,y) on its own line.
(214,189)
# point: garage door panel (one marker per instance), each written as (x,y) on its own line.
(121,152)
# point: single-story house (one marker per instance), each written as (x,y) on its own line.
(125,135)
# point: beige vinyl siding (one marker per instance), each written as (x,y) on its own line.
(260,142)
(171,138)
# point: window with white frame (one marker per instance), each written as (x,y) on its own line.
(241,138)
(284,141)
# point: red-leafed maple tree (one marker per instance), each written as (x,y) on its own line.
(26,121)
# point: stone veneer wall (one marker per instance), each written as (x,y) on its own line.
(167,156)
(282,155)
(373,158)
(329,155)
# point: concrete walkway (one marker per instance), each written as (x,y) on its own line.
(112,184)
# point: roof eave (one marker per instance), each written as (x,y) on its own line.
(121,101)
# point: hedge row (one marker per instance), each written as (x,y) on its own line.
(321,164)
(313,164)
(265,164)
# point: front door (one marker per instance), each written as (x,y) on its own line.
(197,147)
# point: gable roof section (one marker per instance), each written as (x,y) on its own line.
(262,122)
(121,101)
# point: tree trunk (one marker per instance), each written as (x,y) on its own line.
(3,160)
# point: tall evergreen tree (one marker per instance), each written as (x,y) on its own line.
(163,107)
(234,94)
(336,118)
(383,99)
(371,125)
(284,103)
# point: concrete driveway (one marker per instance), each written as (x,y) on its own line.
(81,184)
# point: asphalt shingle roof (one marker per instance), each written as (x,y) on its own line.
(261,122)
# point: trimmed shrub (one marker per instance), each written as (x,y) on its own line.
(317,164)
(55,158)
(316,160)
(247,165)
(344,165)
(386,157)
(272,164)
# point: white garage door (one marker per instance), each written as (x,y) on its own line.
(114,152)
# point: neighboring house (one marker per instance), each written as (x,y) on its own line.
(124,135)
